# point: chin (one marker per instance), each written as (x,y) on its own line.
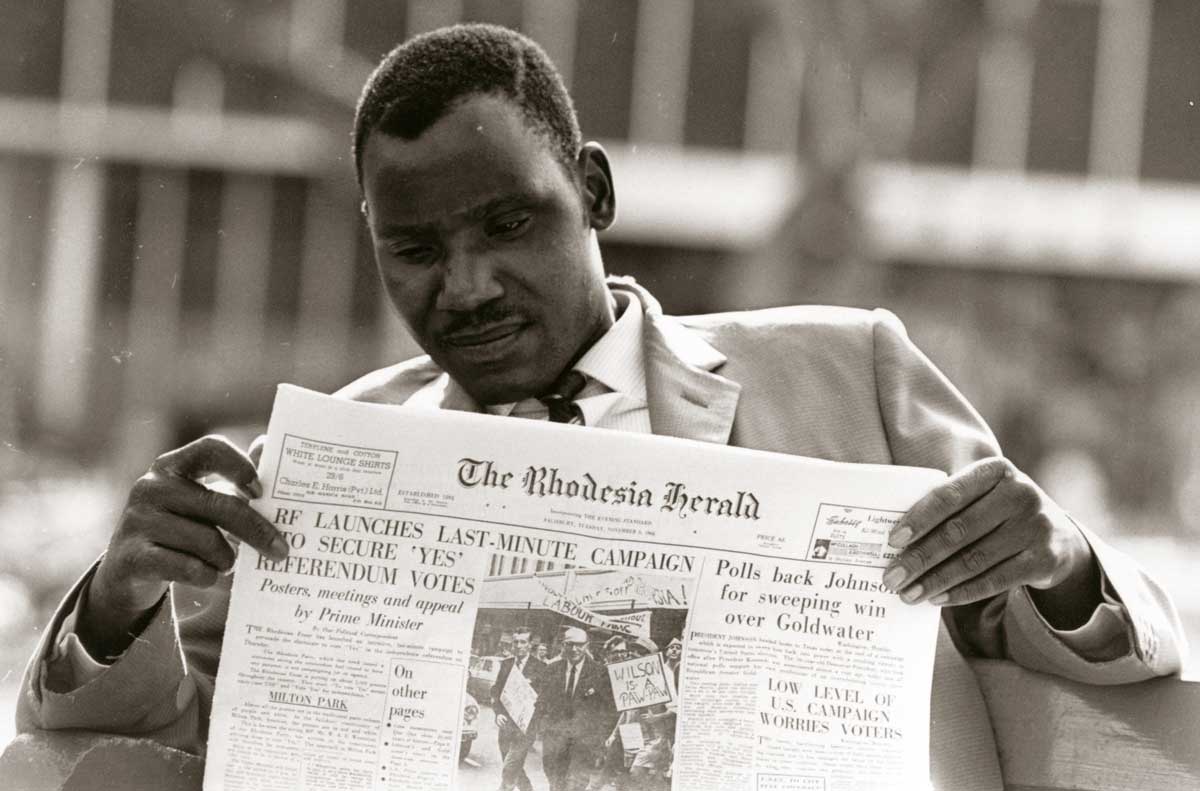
(506,387)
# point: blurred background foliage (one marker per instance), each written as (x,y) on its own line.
(1019,180)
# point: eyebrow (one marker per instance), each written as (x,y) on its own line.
(502,202)
(475,213)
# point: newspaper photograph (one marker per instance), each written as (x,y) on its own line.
(479,603)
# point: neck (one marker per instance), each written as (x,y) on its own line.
(613,311)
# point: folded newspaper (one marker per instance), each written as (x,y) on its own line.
(610,610)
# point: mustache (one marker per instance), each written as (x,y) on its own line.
(486,314)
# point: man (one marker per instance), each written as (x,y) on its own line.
(484,207)
(610,770)
(647,760)
(574,714)
(514,742)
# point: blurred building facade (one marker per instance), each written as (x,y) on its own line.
(1018,179)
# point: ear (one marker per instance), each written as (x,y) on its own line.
(599,198)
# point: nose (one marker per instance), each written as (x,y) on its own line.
(468,281)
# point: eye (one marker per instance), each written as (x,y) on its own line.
(413,254)
(508,227)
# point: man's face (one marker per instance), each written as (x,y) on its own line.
(485,244)
(572,652)
(673,651)
(541,651)
(618,653)
(521,645)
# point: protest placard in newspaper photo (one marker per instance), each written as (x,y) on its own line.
(623,617)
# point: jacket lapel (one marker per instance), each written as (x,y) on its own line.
(685,395)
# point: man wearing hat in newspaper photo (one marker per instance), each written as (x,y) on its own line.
(514,742)
(612,768)
(644,764)
(652,764)
(574,714)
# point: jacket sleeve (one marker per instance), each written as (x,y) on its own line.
(1134,634)
(160,688)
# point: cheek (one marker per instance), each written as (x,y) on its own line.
(412,295)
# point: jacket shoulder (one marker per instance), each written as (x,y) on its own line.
(798,327)
(809,378)
(393,384)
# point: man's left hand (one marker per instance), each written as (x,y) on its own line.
(986,530)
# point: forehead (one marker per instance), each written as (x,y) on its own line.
(480,150)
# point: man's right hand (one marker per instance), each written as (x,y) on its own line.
(168,532)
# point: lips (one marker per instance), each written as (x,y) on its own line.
(482,335)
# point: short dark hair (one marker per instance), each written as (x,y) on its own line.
(421,79)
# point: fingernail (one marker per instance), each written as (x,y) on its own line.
(940,599)
(900,537)
(893,577)
(255,488)
(912,594)
(279,548)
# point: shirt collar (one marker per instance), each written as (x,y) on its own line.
(617,360)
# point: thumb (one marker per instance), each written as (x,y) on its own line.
(256,448)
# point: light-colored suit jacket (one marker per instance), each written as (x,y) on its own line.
(832,383)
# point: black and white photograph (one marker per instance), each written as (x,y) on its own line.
(955,236)
(581,730)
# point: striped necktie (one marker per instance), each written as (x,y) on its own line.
(560,401)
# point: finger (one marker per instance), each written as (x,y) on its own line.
(192,500)
(200,540)
(998,579)
(967,526)
(174,566)
(949,498)
(211,455)
(970,562)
